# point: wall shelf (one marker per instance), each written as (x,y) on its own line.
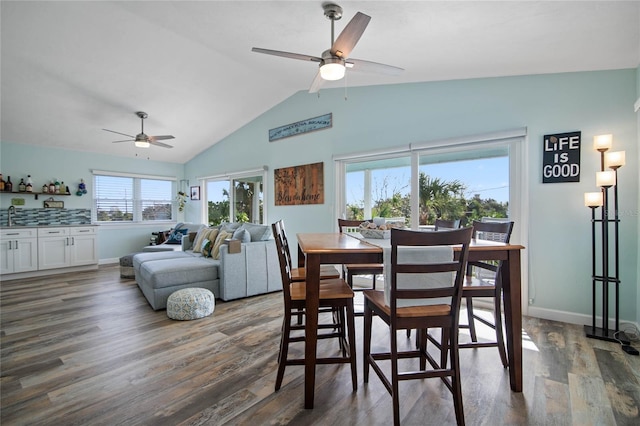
(35,194)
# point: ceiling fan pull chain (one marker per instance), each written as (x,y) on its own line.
(345,87)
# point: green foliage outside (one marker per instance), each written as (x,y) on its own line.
(244,193)
(439,199)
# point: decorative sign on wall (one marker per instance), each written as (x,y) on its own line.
(299,185)
(561,158)
(300,127)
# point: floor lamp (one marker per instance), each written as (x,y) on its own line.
(609,272)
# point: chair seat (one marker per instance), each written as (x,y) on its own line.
(326,272)
(377,297)
(329,290)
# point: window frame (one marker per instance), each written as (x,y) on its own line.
(231,177)
(137,202)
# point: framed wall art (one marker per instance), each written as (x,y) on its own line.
(195,192)
(299,185)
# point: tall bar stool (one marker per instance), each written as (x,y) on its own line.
(427,273)
(335,295)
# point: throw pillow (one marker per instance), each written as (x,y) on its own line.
(204,233)
(258,232)
(176,236)
(242,234)
(222,235)
(206,248)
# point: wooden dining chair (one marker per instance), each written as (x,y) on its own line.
(335,296)
(479,283)
(355,269)
(422,267)
(300,274)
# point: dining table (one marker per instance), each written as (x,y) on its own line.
(315,249)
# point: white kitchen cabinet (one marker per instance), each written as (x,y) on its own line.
(84,245)
(62,247)
(53,248)
(18,250)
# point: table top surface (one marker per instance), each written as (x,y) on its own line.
(343,242)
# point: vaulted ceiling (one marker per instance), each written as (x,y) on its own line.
(70,69)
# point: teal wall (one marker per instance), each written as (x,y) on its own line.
(558,239)
(44,164)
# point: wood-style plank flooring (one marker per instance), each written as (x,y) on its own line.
(86,349)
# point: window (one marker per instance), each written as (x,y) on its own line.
(237,197)
(465,179)
(120,197)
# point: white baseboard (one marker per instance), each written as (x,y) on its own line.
(573,317)
(109,261)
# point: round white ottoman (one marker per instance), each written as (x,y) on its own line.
(190,303)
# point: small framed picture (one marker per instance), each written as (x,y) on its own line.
(195,192)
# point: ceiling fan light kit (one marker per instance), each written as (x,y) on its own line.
(333,62)
(141,140)
(332,69)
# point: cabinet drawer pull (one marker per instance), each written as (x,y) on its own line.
(84,230)
(53,232)
(14,233)
(10,245)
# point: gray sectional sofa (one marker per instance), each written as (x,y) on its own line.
(254,270)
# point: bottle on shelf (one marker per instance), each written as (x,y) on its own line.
(8,186)
(45,188)
(63,188)
(29,187)
(56,185)
(1,183)
(22,187)
(52,187)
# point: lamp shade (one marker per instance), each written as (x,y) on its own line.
(602,142)
(614,160)
(142,144)
(606,179)
(332,69)
(593,199)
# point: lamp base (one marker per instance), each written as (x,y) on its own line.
(608,335)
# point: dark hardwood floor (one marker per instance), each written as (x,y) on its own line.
(86,348)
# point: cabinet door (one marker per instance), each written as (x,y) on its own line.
(25,255)
(6,256)
(53,252)
(84,250)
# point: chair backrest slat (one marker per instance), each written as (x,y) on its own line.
(284,258)
(419,263)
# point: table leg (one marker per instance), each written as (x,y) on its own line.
(512,292)
(311,328)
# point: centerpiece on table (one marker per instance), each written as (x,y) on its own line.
(379,229)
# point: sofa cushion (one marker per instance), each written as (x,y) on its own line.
(230,227)
(258,232)
(222,235)
(168,273)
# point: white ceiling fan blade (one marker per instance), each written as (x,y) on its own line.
(372,67)
(123,134)
(350,35)
(164,145)
(161,138)
(317,83)
(286,54)
(127,140)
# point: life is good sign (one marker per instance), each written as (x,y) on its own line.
(561,158)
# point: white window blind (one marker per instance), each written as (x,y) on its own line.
(132,199)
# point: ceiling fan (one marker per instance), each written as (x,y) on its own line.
(333,62)
(141,139)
